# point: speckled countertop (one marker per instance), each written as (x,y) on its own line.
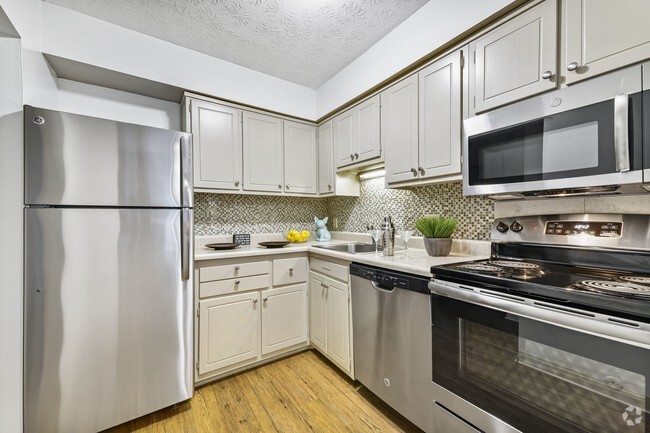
(417,262)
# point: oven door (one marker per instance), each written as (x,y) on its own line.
(588,135)
(535,366)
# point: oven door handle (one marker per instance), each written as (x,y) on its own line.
(600,325)
(622,133)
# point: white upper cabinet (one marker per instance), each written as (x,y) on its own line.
(368,130)
(516,59)
(356,133)
(263,157)
(602,35)
(344,128)
(216,131)
(421,123)
(399,121)
(440,117)
(300,158)
(325,159)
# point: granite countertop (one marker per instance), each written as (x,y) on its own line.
(417,262)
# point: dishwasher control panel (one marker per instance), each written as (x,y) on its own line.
(391,279)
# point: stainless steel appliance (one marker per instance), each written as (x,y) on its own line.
(552,333)
(392,339)
(108,271)
(581,139)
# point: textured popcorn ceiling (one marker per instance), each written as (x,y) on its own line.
(302,41)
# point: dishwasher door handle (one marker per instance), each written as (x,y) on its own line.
(381,287)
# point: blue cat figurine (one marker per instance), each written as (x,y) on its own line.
(323,235)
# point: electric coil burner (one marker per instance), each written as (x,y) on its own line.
(551,333)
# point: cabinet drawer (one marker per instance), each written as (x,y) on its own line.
(233,285)
(289,271)
(334,270)
(235,270)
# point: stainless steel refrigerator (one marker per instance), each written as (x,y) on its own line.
(108,271)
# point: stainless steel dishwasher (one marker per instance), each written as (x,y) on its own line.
(392,340)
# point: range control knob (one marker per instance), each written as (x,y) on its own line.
(516,227)
(502,227)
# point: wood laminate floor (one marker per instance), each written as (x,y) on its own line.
(301,393)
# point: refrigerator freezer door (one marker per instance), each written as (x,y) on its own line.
(108,317)
(85,161)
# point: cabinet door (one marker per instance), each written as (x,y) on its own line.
(344,128)
(263,158)
(228,331)
(216,131)
(325,159)
(602,35)
(399,123)
(510,61)
(368,132)
(317,312)
(440,117)
(300,158)
(284,317)
(338,324)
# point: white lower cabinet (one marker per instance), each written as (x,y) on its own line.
(329,319)
(246,314)
(284,317)
(228,331)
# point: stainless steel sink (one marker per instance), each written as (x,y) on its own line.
(352,248)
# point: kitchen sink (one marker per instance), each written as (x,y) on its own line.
(352,248)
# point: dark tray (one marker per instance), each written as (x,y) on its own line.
(274,244)
(222,246)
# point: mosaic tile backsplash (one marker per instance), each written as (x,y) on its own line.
(474,214)
(216,214)
(228,213)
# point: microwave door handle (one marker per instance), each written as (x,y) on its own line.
(621,133)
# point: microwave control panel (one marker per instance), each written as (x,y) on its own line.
(601,229)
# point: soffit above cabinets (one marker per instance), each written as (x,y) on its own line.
(302,41)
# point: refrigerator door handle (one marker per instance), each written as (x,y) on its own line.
(187,241)
(187,181)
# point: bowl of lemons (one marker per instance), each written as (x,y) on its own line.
(297,236)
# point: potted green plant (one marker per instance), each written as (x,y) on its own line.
(437,233)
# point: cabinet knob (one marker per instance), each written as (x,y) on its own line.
(421,171)
(291,272)
(356,156)
(254,301)
(236,268)
(329,186)
(414,171)
(547,74)
(352,156)
(236,183)
(287,186)
(572,66)
(265,299)
(236,282)
(279,186)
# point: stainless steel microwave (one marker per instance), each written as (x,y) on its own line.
(582,139)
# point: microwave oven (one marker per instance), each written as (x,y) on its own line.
(578,140)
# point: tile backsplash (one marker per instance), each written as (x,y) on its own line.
(216,214)
(228,213)
(474,214)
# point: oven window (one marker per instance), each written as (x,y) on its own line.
(539,377)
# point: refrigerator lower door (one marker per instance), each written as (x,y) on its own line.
(108,317)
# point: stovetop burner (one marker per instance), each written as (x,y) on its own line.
(637,279)
(616,288)
(508,264)
(478,267)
